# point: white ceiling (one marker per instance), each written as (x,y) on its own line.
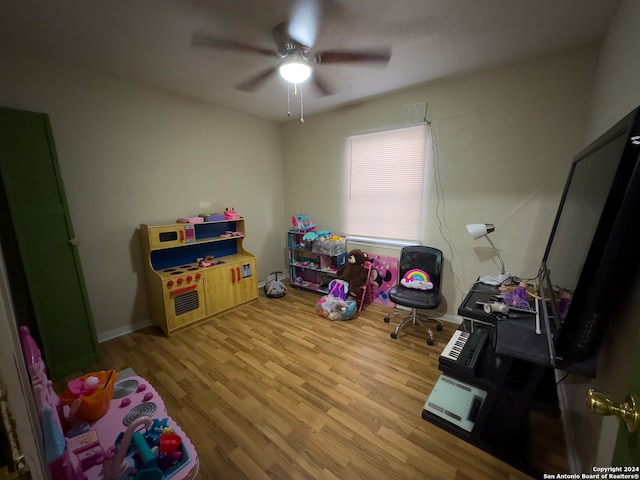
(149,41)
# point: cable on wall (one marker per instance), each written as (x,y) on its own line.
(440,210)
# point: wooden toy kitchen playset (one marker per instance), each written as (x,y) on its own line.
(197,268)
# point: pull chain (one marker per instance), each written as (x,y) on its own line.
(295,92)
(301,107)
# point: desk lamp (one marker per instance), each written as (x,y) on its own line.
(477,230)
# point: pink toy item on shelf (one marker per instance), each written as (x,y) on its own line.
(230,233)
(230,214)
(190,220)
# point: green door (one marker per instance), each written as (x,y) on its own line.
(43,248)
(627,451)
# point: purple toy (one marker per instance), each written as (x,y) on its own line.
(518,297)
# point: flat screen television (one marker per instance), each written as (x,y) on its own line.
(592,253)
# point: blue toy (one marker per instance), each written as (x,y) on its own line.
(302,223)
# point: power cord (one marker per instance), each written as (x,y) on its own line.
(440,202)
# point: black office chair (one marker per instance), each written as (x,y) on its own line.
(416,261)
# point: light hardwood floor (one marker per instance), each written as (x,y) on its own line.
(274,391)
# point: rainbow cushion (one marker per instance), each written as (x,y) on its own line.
(418,279)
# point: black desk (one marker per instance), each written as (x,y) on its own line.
(515,333)
(516,373)
(468,309)
(481,292)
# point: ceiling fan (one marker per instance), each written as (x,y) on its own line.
(294,41)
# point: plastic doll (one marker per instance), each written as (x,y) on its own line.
(518,297)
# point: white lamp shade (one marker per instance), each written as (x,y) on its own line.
(295,70)
(477,230)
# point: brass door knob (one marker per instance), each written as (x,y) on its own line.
(628,411)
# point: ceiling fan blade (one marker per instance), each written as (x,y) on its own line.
(321,85)
(211,41)
(252,83)
(380,57)
(303,22)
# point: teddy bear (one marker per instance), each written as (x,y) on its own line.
(354,271)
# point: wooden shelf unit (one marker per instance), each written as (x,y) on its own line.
(311,266)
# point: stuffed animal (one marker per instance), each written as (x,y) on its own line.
(354,272)
(335,308)
(275,288)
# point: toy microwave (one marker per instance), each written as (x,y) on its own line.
(171,235)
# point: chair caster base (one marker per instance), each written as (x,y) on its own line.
(439,327)
(386,319)
(394,335)
(430,342)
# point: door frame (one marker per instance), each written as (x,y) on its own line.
(627,449)
(14,375)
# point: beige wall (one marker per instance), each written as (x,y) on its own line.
(617,89)
(130,155)
(505,138)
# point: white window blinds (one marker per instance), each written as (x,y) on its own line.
(385,185)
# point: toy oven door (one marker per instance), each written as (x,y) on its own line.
(184,305)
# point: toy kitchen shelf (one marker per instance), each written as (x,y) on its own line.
(196,270)
(314,263)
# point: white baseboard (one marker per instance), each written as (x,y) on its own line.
(457,319)
(118,332)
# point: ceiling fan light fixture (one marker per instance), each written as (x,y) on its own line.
(296,70)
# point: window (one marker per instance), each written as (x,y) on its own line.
(385,183)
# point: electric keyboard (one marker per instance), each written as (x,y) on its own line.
(463,350)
